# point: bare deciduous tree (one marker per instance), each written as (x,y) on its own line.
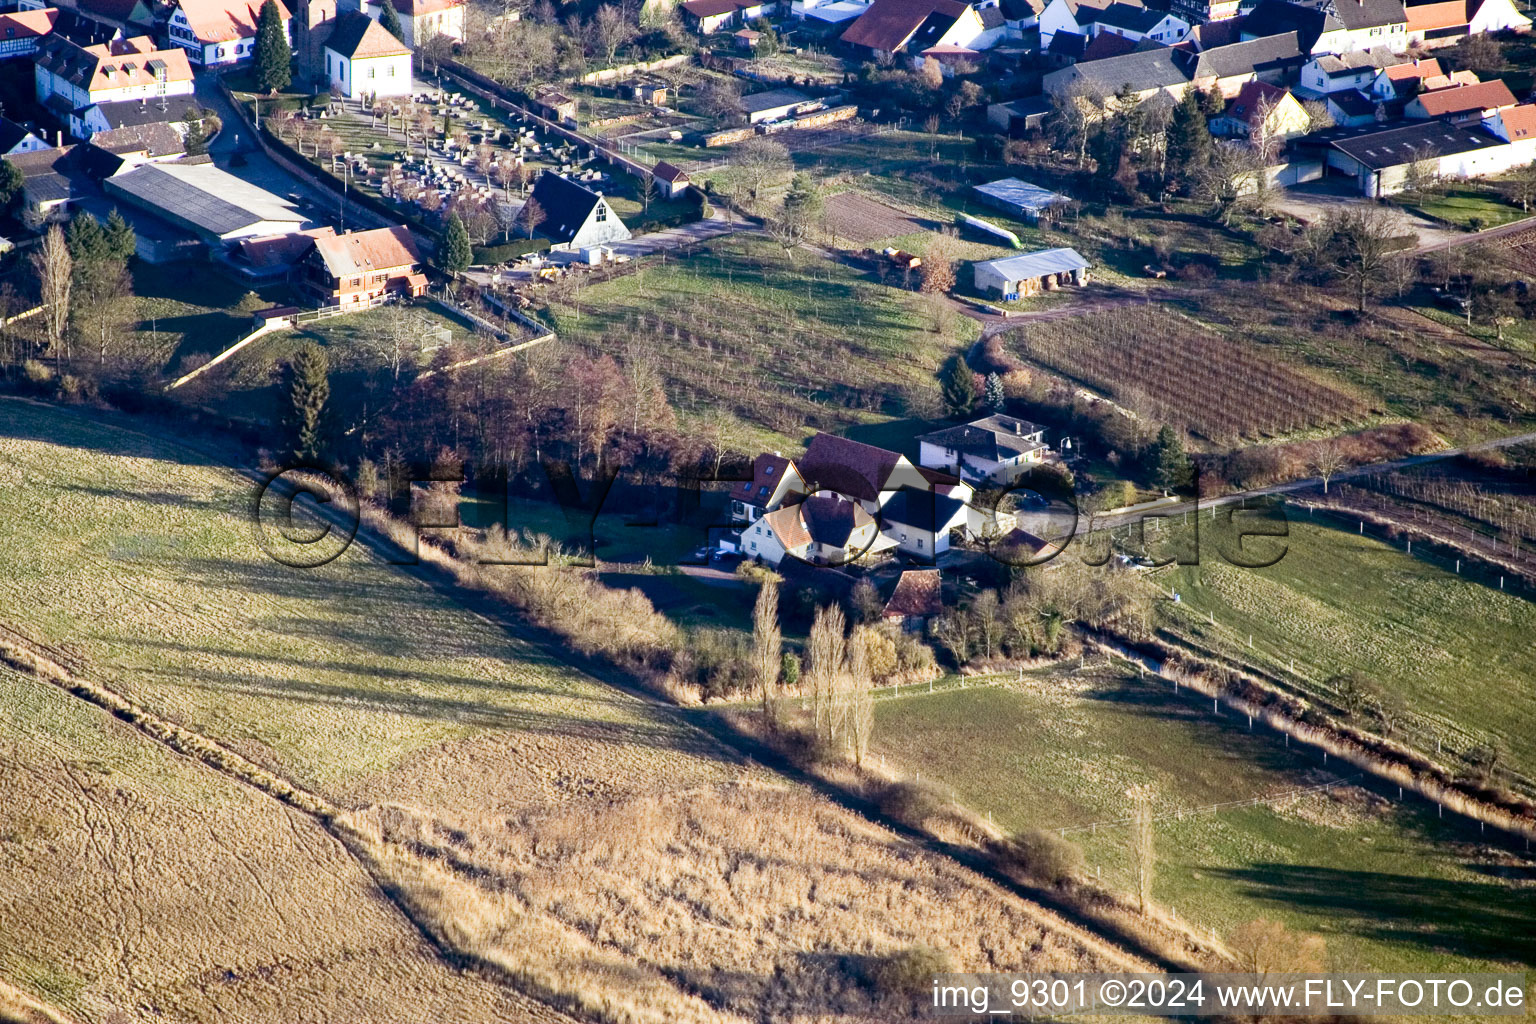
(54,268)
(825,653)
(767,646)
(1328,458)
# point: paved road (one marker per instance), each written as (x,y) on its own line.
(1311,482)
(1488,234)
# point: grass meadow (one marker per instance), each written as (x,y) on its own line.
(1388,885)
(781,343)
(1453,649)
(591,845)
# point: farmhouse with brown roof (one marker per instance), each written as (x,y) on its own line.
(360,267)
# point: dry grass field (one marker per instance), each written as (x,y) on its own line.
(583,843)
(137,885)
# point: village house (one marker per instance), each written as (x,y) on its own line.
(1226,69)
(1132,22)
(991,451)
(16,138)
(420,20)
(574,216)
(69,77)
(123,149)
(824,529)
(360,268)
(1016,277)
(1516,126)
(1341,72)
(1261,111)
(102,117)
(1404,80)
(219,33)
(1440,24)
(774,479)
(1327,26)
(895,26)
(709,16)
(1461,104)
(363,59)
(52,182)
(1140,75)
(22,31)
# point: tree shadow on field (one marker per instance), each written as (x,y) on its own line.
(87,431)
(168,499)
(1474,919)
(644,730)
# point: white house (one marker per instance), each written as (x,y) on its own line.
(16,138)
(69,76)
(420,20)
(1332,27)
(1340,72)
(1134,22)
(912,26)
(774,479)
(362,59)
(993,450)
(218,33)
(575,216)
(1443,23)
(824,529)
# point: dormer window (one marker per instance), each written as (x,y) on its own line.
(768,471)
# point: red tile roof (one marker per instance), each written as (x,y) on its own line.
(358,37)
(1519,122)
(1463,98)
(1106,44)
(28,24)
(115,65)
(220,21)
(918,594)
(847,467)
(361,252)
(887,24)
(669,173)
(1429,17)
(1414,69)
(1253,97)
(710,8)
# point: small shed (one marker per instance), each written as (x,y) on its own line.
(1016,277)
(747,38)
(672,180)
(917,598)
(1019,198)
(556,106)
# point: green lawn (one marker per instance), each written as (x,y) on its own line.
(1455,650)
(1388,885)
(1461,206)
(247,385)
(783,345)
(190,310)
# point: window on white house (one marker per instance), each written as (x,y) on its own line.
(371,71)
(602,212)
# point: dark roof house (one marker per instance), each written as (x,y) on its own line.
(848,467)
(888,25)
(574,215)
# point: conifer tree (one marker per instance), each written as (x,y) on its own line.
(389,20)
(309,388)
(1189,141)
(959,387)
(273,55)
(454,252)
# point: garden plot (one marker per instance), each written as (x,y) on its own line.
(857,218)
